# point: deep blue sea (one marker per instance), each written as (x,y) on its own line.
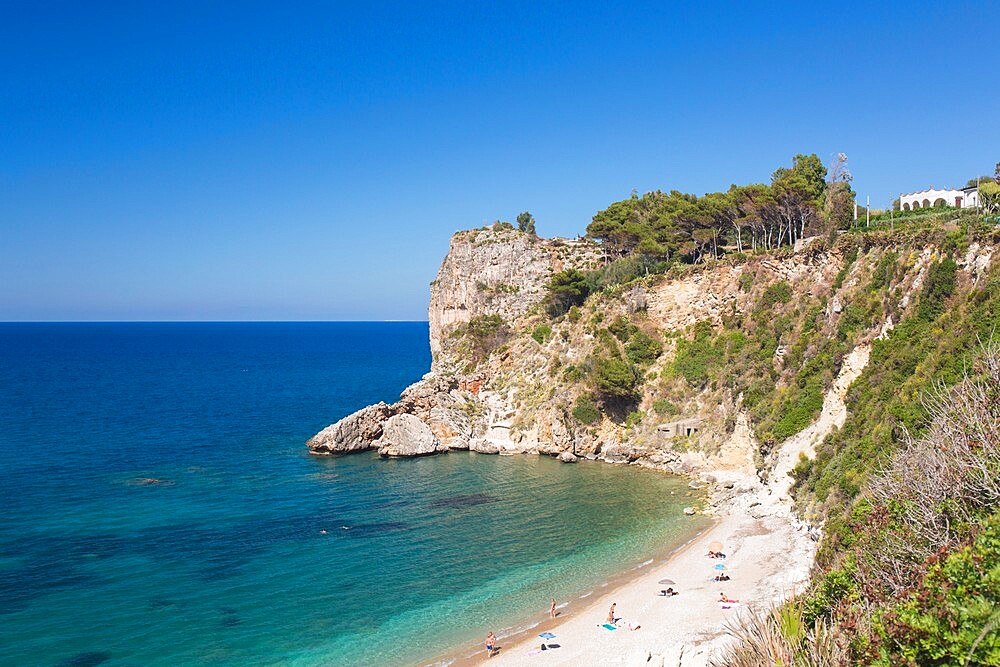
(158,506)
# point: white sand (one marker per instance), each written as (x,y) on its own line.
(767,558)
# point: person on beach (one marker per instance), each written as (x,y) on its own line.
(611,614)
(491,645)
(552,609)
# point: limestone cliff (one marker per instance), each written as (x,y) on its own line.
(740,355)
(497,272)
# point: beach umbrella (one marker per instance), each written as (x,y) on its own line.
(720,566)
(715,546)
(667,582)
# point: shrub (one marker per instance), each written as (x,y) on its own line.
(884,272)
(938,287)
(542,333)
(485,334)
(614,377)
(634,418)
(662,406)
(779,292)
(622,329)
(566,289)
(953,617)
(585,411)
(695,358)
(642,350)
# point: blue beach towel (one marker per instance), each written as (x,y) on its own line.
(608,626)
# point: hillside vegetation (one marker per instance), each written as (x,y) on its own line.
(693,315)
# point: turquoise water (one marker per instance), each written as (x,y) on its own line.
(249,551)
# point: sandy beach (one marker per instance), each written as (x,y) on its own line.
(769,554)
(768,558)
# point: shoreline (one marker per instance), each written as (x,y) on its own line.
(526,628)
(769,553)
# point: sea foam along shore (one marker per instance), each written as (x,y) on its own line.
(769,554)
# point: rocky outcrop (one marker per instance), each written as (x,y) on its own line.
(354,433)
(521,394)
(406,435)
(497,272)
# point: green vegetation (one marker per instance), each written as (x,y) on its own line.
(542,332)
(480,336)
(614,378)
(662,225)
(566,289)
(585,411)
(526,223)
(662,406)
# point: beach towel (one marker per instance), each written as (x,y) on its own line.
(608,626)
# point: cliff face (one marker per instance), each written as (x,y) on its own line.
(497,272)
(728,360)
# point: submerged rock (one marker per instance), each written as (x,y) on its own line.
(406,435)
(355,432)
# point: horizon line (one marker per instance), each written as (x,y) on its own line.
(209,321)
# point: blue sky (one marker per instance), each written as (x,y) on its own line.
(310,160)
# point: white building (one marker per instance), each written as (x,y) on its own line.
(963,198)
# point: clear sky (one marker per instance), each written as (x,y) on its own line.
(304,160)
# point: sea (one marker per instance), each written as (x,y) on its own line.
(158,505)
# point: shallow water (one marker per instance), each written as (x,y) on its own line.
(159,506)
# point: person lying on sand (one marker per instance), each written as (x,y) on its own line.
(723,598)
(722,576)
(716,554)
(668,592)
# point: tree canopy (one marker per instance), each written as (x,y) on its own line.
(665,225)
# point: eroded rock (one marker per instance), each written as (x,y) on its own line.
(354,433)
(406,435)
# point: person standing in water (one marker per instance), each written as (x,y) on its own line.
(611,613)
(552,609)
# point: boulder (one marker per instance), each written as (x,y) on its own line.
(689,511)
(450,426)
(614,454)
(483,446)
(354,433)
(406,435)
(567,457)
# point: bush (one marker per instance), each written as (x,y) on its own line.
(634,418)
(566,289)
(695,358)
(622,329)
(542,333)
(938,287)
(779,292)
(485,334)
(585,411)
(642,350)
(614,377)
(664,407)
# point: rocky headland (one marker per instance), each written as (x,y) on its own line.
(742,368)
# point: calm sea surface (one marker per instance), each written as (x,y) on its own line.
(249,551)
